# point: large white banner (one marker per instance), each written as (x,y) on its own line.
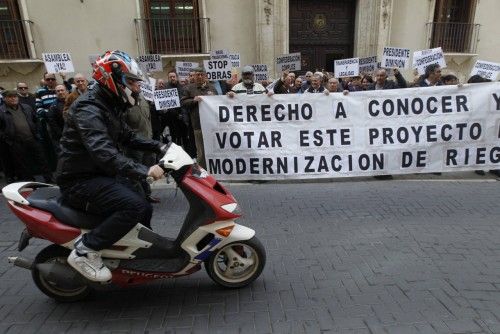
(401,131)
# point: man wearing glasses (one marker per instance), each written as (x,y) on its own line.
(25,96)
(45,97)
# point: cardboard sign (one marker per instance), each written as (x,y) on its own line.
(184,67)
(147,91)
(395,57)
(291,62)
(218,69)
(486,69)
(346,67)
(58,62)
(235,59)
(219,55)
(423,58)
(150,63)
(260,72)
(367,65)
(166,99)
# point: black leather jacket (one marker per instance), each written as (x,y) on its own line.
(92,135)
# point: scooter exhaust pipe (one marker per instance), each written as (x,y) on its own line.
(21,262)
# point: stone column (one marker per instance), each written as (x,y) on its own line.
(272,31)
(372,27)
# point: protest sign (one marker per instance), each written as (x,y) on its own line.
(148,88)
(486,69)
(150,63)
(218,69)
(367,65)
(184,67)
(58,62)
(346,67)
(291,62)
(235,59)
(166,99)
(423,58)
(395,57)
(260,72)
(420,130)
(219,54)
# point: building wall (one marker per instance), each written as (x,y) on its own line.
(232,27)
(487,14)
(258,30)
(80,28)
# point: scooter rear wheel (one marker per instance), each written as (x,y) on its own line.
(237,264)
(52,288)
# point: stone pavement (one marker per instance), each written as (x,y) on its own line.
(364,256)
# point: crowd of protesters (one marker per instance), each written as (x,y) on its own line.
(32,120)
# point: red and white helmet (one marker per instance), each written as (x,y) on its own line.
(112,71)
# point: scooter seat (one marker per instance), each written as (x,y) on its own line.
(49,199)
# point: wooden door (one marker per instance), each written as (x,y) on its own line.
(322,31)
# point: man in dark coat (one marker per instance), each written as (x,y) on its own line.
(381,81)
(18,132)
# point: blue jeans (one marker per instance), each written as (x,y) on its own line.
(115,199)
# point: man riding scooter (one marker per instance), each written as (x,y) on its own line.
(93,174)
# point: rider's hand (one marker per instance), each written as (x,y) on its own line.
(156,172)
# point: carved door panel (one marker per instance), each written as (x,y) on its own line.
(322,30)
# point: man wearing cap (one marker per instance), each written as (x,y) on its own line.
(18,131)
(247,84)
(191,96)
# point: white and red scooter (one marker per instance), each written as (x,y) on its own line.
(232,255)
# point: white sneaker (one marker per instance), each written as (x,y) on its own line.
(90,266)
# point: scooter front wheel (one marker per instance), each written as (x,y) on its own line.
(58,289)
(237,264)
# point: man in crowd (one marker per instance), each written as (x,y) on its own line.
(81,87)
(190,100)
(333,85)
(283,85)
(316,86)
(247,84)
(25,97)
(449,79)
(156,119)
(18,131)
(174,118)
(138,118)
(55,116)
(381,81)
(432,76)
(307,83)
(45,97)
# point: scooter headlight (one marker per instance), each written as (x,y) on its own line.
(232,208)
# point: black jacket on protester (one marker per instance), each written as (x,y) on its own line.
(7,127)
(93,132)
